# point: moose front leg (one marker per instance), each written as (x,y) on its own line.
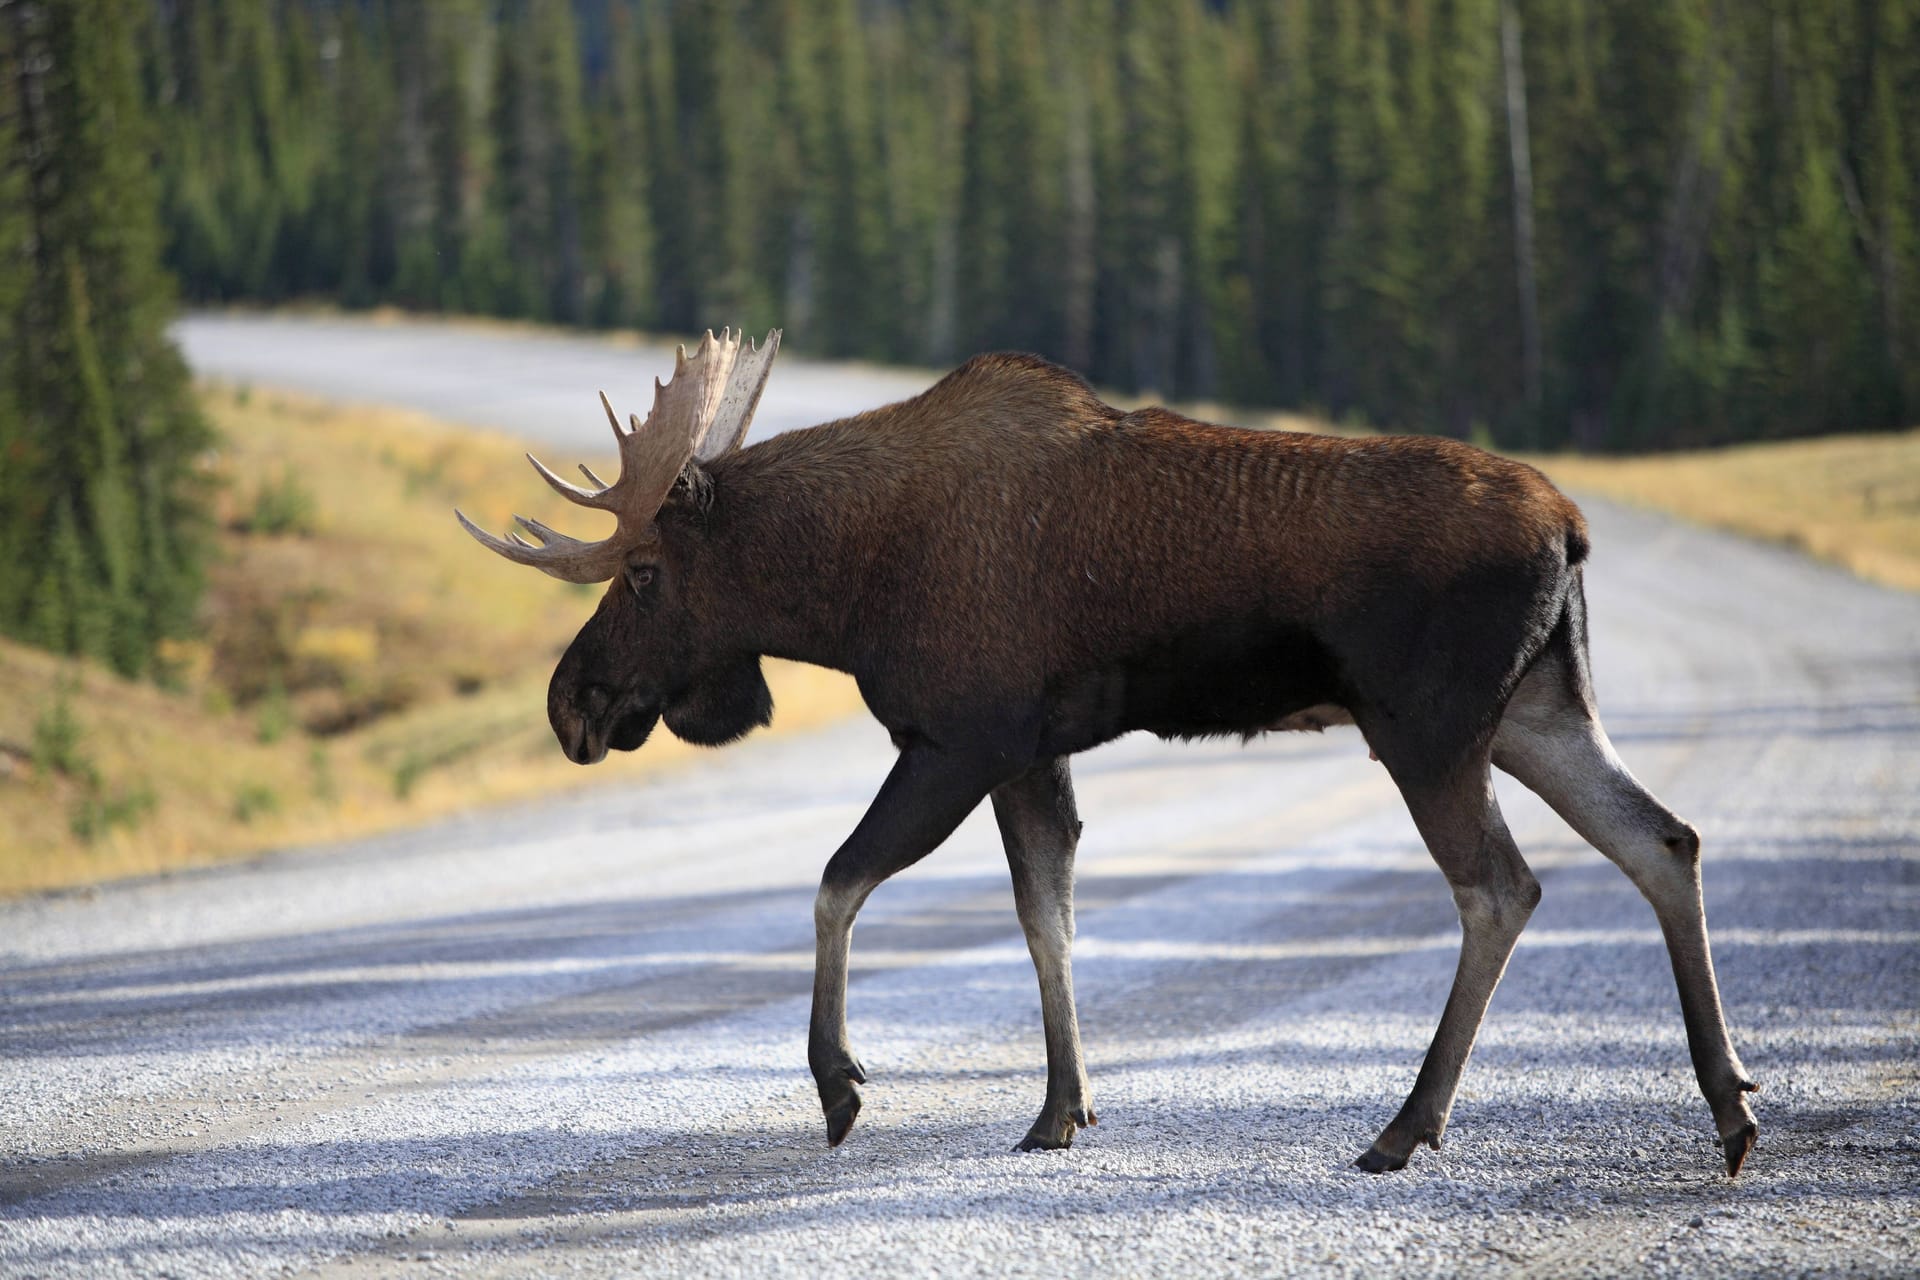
(1040,828)
(924,798)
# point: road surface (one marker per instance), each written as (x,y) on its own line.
(570,1038)
(537,385)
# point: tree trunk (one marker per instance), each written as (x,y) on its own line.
(1521,150)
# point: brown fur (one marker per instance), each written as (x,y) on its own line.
(1007,528)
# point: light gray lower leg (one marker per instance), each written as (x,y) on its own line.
(829,1054)
(1495,894)
(1040,829)
(1564,756)
(923,799)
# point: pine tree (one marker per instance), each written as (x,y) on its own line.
(989,154)
(354,220)
(433,174)
(1368,273)
(1154,206)
(850,195)
(236,84)
(1312,202)
(918,97)
(21,503)
(99,432)
(541,152)
(1881,200)
(558,103)
(710,146)
(620,222)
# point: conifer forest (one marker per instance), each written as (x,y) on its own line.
(1593,224)
(1600,223)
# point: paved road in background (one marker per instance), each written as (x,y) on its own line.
(570,1038)
(537,385)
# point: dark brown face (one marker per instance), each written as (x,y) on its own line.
(639,660)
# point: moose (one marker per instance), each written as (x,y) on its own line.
(1014,571)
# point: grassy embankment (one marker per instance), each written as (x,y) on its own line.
(362,666)
(1851,500)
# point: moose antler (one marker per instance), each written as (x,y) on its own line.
(702,412)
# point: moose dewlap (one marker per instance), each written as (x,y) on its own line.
(1015,571)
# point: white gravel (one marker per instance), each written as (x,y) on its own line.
(571,1039)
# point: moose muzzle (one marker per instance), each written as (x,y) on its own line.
(595,720)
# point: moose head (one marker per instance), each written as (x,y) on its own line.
(649,651)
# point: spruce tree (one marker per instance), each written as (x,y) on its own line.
(98,430)
(986,160)
(1155,264)
(850,194)
(1314,203)
(21,505)
(619,221)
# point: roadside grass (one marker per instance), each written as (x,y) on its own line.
(1850,500)
(361,666)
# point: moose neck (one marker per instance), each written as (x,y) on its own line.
(785,559)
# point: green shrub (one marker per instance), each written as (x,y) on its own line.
(276,715)
(321,765)
(283,507)
(409,771)
(95,812)
(255,800)
(56,737)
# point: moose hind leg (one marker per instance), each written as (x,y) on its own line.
(1495,893)
(1554,745)
(1040,828)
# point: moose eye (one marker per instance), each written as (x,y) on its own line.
(640,577)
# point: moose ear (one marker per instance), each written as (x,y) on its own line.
(694,486)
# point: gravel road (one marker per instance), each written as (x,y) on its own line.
(537,385)
(570,1038)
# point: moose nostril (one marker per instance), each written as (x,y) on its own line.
(574,732)
(595,700)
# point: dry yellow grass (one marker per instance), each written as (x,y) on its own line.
(1851,500)
(371,668)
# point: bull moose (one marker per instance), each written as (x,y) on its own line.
(1014,571)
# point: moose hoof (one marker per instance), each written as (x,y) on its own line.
(1738,1145)
(841,1113)
(1388,1153)
(1377,1161)
(1055,1133)
(1737,1128)
(839,1099)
